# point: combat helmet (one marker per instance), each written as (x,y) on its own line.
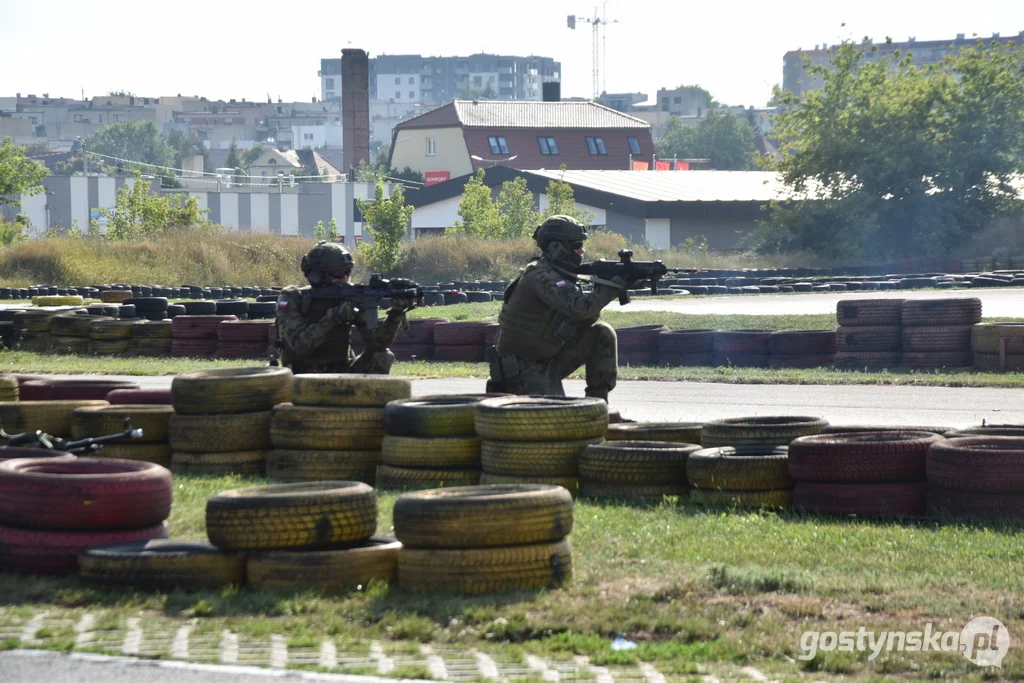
(555,235)
(323,258)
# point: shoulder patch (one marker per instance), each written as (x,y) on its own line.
(283,303)
(561,283)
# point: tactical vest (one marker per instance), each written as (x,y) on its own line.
(529,328)
(336,351)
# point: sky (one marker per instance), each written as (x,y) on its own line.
(233,49)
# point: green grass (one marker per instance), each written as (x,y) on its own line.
(691,586)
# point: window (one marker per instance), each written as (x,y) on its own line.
(498,144)
(398,80)
(596,146)
(78,118)
(431,147)
(330,83)
(677,100)
(478,81)
(547,145)
(634,145)
(412,80)
(118,117)
(398,95)
(412,95)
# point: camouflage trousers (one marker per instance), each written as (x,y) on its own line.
(366,363)
(595,347)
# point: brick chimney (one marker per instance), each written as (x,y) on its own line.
(355,106)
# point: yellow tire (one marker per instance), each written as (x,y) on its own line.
(746,468)
(329,429)
(778,498)
(34,321)
(52,417)
(230,390)
(642,463)
(36,342)
(675,432)
(329,571)
(533,458)
(108,329)
(246,463)
(483,516)
(477,571)
(70,300)
(115,296)
(69,345)
(300,465)
(985,338)
(8,389)
(283,516)
(570,484)
(759,431)
(525,418)
(407,478)
(431,452)
(70,325)
(151,419)
(116,347)
(349,390)
(151,329)
(220,433)
(162,563)
(433,415)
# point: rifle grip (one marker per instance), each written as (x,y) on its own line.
(624,297)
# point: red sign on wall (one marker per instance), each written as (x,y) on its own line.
(640,165)
(435,177)
(661,166)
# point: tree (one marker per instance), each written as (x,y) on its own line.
(134,141)
(515,204)
(562,201)
(386,220)
(233,160)
(479,217)
(18,175)
(139,213)
(252,155)
(187,145)
(724,138)
(888,159)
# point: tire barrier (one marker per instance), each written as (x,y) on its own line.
(742,476)
(634,469)
(154,420)
(758,431)
(484,539)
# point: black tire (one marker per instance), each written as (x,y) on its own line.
(869,312)
(232,307)
(332,571)
(674,432)
(809,343)
(869,339)
(433,415)
(151,304)
(759,431)
(162,563)
(200,307)
(483,516)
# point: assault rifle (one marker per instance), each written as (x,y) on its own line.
(367,297)
(40,439)
(632,271)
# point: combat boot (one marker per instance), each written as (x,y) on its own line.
(597,392)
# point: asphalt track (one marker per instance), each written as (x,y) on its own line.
(995,303)
(699,402)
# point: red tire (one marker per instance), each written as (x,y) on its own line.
(806,343)
(240,349)
(244,331)
(861,457)
(460,334)
(979,464)
(197,326)
(638,357)
(686,342)
(84,493)
(55,553)
(193,348)
(872,500)
(70,389)
(742,343)
(421,331)
(140,397)
(686,359)
(805,361)
(643,338)
(491,334)
(407,351)
(975,505)
(15,453)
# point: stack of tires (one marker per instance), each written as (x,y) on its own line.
(742,476)
(418,341)
(998,347)
(484,539)
(73,389)
(429,442)
(877,474)
(161,397)
(459,341)
(304,536)
(109,337)
(32,330)
(937,332)
(221,420)
(635,470)
(669,432)
(153,420)
(803,349)
(148,307)
(981,477)
(639,345)
(759,431)
(115,296)
(69,333)
(236,307)
(51,417)
(243,338)
(195,336)
(52,508)
(152,338)
(870,333)
(8,389)
(162,564)
(686,347)
(538,440)
(58,300)
(741,348)
(333,427)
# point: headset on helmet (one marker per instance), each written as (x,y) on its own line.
(323,258)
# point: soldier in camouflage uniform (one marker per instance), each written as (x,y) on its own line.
(316,335)
(550,326)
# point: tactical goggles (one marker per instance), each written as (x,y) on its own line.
(575,245)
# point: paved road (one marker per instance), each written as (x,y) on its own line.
(699,402)
(996,303)
(36,666)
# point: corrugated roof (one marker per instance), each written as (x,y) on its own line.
(528,114)
(679,186)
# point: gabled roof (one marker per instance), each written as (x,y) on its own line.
(524,114)
(289,158)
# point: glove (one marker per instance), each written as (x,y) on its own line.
(344,312)
(620,282)
(401,304)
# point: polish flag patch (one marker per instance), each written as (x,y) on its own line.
(561,283)
(282,304)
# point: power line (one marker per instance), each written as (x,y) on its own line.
(201,173)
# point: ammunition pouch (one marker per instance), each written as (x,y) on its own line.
(504,367)
(560,329)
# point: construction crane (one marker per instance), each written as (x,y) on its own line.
(599,41)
